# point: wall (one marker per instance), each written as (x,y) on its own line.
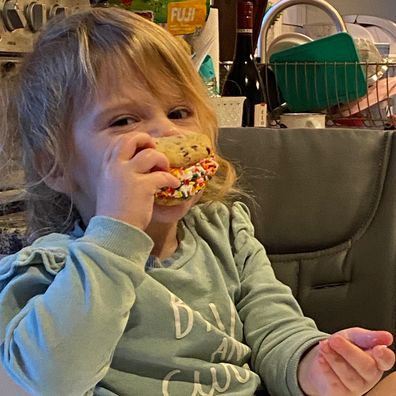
(381,8)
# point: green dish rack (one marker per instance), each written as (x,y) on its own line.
(320,74)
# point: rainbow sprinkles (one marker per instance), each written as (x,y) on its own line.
(192,179)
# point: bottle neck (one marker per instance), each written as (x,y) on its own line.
(244,44)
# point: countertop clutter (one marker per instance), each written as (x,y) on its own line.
(343,67)
(342,71)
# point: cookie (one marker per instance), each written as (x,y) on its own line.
(184,150)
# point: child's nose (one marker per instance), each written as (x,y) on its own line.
(163,127)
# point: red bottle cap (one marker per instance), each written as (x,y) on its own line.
(245,14)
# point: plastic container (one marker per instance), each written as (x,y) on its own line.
(320,74)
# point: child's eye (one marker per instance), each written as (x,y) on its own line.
(123,121)
(179,114)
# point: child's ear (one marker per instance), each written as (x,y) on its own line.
(57,180)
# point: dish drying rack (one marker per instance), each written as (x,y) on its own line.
(345,105)
(331,75)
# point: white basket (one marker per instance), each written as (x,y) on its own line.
(229,110)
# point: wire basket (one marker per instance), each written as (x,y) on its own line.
(335,88)
(229,110)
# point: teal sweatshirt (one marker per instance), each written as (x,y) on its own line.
(93,313)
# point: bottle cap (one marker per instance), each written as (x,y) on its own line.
(245,14)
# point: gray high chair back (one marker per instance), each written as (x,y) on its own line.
(326,214)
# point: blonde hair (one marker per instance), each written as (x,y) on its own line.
(62,73)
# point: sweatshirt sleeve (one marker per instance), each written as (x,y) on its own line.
(64,306)
(274,325)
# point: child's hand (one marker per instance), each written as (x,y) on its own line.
(132,171)
(349,363)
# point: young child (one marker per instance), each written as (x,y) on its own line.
(121,295)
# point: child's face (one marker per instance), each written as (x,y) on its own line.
(126,114)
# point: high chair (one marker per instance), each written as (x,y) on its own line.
(323,203)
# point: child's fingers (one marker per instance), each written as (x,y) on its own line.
(127,146)
(147,160)
(360,360)
(164,179)
(345,370)
(383,356)
(367,339)
(333,384)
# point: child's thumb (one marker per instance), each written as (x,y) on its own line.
(367,339)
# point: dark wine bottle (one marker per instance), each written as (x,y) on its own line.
(244,78)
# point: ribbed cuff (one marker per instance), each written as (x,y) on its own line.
(120,238)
